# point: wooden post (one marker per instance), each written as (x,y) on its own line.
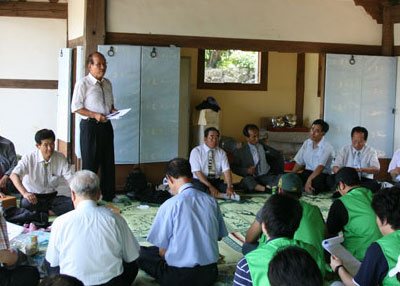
(387,32)
(301,58)
(321,82)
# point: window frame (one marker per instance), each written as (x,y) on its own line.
(262,70)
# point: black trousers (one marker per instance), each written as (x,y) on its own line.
(151,262)
(319,183)
(19,276)
(97,149)
(45,202)
(250,182)
(217,183)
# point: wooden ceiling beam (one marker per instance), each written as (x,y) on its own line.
(395,14)
(34,9)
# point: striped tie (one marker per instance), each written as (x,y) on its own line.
(211,164)
(102,90)
(46,174)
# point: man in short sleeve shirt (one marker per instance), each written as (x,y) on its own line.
(315,158)
(208,162)
(93,100)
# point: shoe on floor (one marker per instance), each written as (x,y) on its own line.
(116,200)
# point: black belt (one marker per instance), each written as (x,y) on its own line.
(95,121)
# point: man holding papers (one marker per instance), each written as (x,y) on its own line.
(380,264)
(93,100)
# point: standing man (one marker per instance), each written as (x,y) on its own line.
(39,176)
(93,100)
(315,158)
(8,160)
(92,243)
(185,233)
(208,162)
(250,162)
(361,157)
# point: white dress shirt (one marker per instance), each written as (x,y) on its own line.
(394,163)
(90,243)
(88,94)
(311,157)
(31,171)
(199,160)
(368,158)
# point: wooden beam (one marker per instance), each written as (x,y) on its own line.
(395,14)
(34,9)
(301,61)
(240,44)
(387,32)
(28,84)
(76,42)
(321,83)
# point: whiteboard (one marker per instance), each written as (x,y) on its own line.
(362,94)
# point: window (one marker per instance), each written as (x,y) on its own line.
(232,69)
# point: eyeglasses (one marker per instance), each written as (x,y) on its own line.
(100,64)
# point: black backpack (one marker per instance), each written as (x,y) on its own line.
(136,188)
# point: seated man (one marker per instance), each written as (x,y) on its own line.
(39,175)
(14,271)
(294,266)
(382,255)
(394,168)
(360,156)
(281,216)
(250,162)
(208,162)
(352,213)
(185,233)
(8,160)
(315,157)
(312,226)
(92,243)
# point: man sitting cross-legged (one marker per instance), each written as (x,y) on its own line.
(250,162)
(281,216)
(39,175)
(208,162)
(185,233)
(312,226)
(92,243)
(352,213)
(380,264)
(8,160)
(315,158)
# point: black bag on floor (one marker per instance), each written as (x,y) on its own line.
(136,188)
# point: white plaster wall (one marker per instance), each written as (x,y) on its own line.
(30,46)
(29,50)
(333,21)
(76,18)
(23,112)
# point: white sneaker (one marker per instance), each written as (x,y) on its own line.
(117,200)
(234,198)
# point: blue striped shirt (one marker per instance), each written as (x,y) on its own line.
(242,274)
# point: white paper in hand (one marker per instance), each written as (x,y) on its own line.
(118,114)
(334,247)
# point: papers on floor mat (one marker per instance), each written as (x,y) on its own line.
(118,114)
(334,247)
(143,207)
(13,230)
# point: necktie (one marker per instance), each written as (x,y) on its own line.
(102,91)
(211,164)
(46,173)
(357,161)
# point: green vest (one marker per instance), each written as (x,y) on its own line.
(311,229)
(258,259)
(361,229)
(390,245)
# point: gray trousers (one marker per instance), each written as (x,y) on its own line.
(249,183)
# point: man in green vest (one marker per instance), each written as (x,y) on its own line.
(352,213)
(379,266)
(312,226)
(281,217)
